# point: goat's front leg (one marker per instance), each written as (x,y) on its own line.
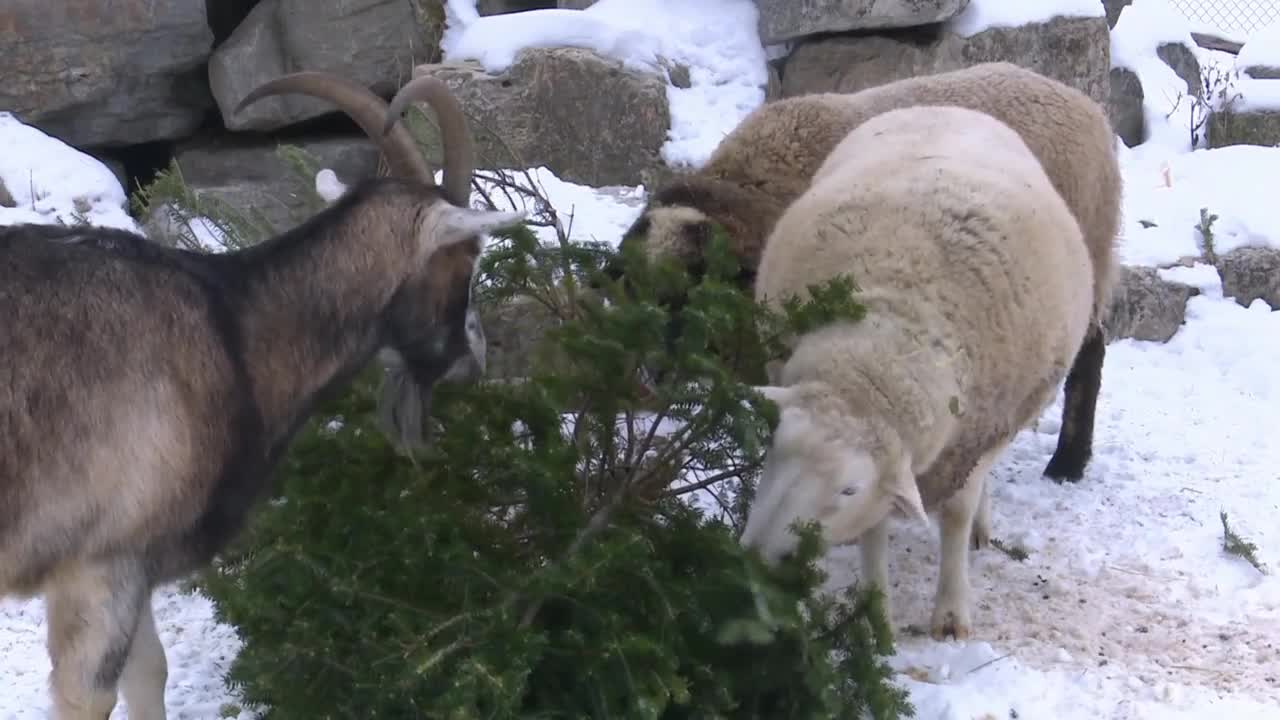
(146,671)
(951,603)
(93,610)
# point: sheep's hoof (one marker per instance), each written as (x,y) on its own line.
(981,536)
(950,623)
(1064,468)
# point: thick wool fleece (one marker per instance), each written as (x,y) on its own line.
(977,281)
(770,157)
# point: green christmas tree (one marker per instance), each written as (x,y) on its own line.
(541,557)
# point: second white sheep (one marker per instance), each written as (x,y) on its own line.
(979,289)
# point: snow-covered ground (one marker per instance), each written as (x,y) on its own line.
(1127,606)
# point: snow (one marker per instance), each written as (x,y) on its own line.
(1235,182)
(329,187)
(1127,606)
(716,40)
(1168,108)
(980,15)
(587,214)
(1142,27)
(1257,94)
(52,183)
(1262,48)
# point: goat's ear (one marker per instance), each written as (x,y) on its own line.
(450,224)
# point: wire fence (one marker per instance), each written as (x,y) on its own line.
(1238,18)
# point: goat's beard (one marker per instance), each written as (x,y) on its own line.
(403,405)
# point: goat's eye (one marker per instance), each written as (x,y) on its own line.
(849,491)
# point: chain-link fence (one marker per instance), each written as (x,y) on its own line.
(1236,17)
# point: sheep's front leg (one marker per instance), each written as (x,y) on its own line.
(874,548)
(951,603)
(982,520)
(93,610)
(146,671)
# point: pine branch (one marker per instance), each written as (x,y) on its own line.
(1233,544)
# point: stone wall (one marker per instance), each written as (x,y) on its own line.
(134,79)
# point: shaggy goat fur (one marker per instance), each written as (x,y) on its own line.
(769,158)
(978,286)
(151,391)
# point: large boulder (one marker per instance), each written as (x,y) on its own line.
(546,110)
(261,183)
(784,20)
(1247,127)
(1125,106)
(1146,306)
(514,330)
(1181,58)
(374,42)
(106,74)
(1073,50)
(1249,273)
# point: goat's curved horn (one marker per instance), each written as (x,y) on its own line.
(455,135)
(362,106)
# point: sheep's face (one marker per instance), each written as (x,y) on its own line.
(670,231)
(822,467)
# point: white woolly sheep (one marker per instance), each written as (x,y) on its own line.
(769,158)
(978,286)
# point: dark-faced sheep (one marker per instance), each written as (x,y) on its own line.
(768,160)
(978,287)
(151,391)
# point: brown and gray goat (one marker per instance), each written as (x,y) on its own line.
(151,391)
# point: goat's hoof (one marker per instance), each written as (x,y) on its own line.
(951,623)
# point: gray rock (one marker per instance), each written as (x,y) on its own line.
(545,110)
(1244,128)
(1182,60)
(1249,273)
(514,330)
(6,198)
(105,74)
(1125,106)
(502,7)
(1263,72)
(1146,306)
(1113,8)
(1073,50)
(782,20)
(773,90)
(678,74)
(249,175)
(374,42)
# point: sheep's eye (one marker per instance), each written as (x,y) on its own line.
(849,491)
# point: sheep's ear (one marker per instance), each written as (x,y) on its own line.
(780,394)
(906,495)
(449,224)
